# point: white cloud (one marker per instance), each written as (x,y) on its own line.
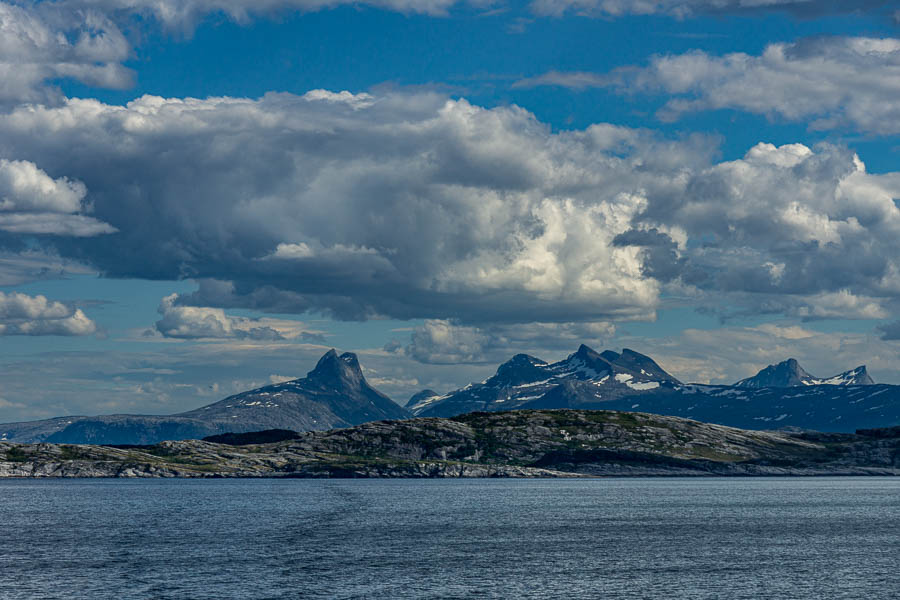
(837,82)
(292,251)
(22,306)
(195,322)
(21,314)
(403,205)
(413,205)
(24,187)
(832,82)
(33,202)
(687,8)
(46,41)
(184,14)
(84,40)
(790,230)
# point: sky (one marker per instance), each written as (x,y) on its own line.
(199,197)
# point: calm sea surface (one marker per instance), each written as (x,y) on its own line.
(606,538)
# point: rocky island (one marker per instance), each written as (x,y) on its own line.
(521,443)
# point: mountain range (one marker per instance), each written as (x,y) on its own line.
(335,394)
(782,395)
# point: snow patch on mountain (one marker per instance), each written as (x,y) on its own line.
(646,385)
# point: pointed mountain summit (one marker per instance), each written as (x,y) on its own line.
(586,363)
(521,368)
(857,376)
(637,362)
(789,373)
(334,394)
(338,370)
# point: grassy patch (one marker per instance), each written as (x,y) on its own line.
(16,454)
(73,453)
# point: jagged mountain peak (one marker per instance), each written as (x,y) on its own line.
(588,353)
(789,373)
(857,376)
(860,376)
(521,368)
(643,364)
(333,368)
(590,356)
(628,361)
(523,359)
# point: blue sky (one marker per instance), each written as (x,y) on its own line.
(201,196)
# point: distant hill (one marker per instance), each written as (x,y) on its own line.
(334,394)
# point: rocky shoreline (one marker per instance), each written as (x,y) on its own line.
(539,443)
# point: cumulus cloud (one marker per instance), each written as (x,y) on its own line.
(406,205)
(184,14)
(33,202)
(200,322)
(413,205)
(836,82)
(83,39)
(45,41)
(21,314)
(806,230)
(687,8)
(24,187)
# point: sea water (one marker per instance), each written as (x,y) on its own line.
(661,538)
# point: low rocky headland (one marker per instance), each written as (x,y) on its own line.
(524,443)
